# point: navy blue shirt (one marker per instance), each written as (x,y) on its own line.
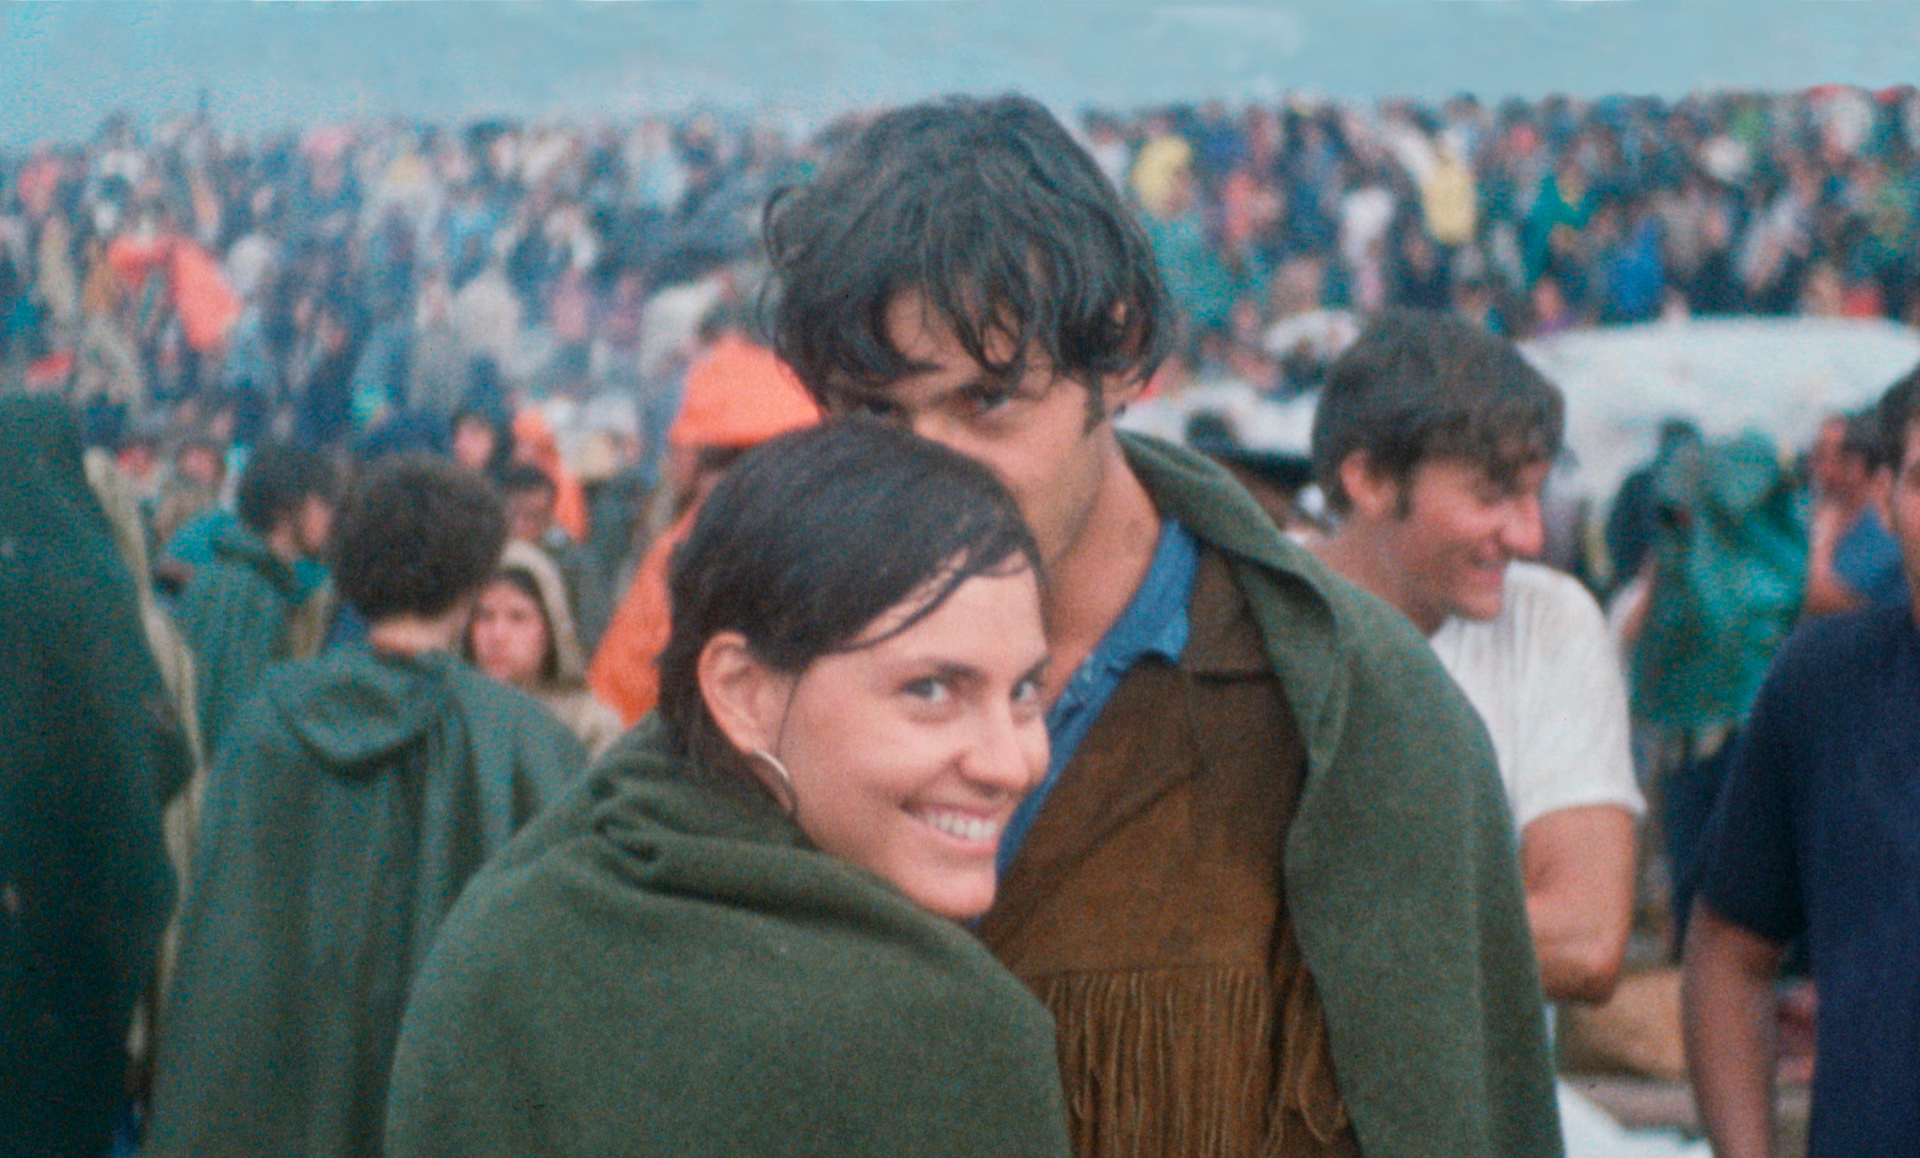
(1154,624)
(1817,835)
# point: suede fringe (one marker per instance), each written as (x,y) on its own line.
(1131,1041)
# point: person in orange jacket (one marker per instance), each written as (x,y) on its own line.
(737,396)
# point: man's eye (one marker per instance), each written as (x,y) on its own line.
(986,399)
(1026,693)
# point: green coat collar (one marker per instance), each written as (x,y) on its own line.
(1401,871)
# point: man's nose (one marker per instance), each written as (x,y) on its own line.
(1524,532)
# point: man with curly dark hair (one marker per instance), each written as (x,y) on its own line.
(355,795)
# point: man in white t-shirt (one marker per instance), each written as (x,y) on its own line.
(1432,441)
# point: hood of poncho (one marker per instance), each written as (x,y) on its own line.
(570,662)
(354,715)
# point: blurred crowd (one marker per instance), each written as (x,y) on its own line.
(1528,217)
(336,277)
(243,326)
(530,298)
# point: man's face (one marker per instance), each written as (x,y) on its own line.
(314,526)
(1033,433)
(1836,473)
(1449,531)
(530,514)
(1901,499)
(473,443)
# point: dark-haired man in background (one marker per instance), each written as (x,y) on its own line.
(354,796)
(243,609)
(1432,441)
(1267,887)
(1816,838)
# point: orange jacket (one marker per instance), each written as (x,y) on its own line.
(623,673)
(737,394)
(533,442)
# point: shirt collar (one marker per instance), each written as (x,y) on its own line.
(1155,621)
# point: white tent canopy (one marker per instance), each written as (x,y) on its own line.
(1779,376)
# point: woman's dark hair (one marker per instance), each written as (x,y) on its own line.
(814,536)
(416,536)
(521,580)
(991,213)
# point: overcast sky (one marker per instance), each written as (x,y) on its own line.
(67,64)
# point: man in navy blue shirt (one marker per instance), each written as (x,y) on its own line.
(1817,838)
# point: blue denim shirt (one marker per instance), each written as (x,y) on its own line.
(1154,624)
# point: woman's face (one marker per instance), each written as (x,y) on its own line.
(908,756)
(473,443)
(509,634)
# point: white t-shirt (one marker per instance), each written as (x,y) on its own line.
(1545,678)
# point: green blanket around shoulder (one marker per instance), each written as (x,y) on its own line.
(1401,866)
(662,966)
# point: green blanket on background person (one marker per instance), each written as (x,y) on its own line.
(239,615)
(351,801)
(662,966)
(1402,876)
(89,752)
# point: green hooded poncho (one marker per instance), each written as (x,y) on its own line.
(89,752)
(238,615)
(1401,869)
(663,966)
(353,798)
(1728,578)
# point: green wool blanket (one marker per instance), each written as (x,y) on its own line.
(662,966)
(1401,867)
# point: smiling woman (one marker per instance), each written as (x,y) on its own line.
(738,935)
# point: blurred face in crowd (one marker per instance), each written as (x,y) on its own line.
(201,464)
(907,755)
(530,514)
(474,441)
(1836,473)
(1445,534)
(1901,508)
(137,460)
(508,634)
(1032,432)
(313,525)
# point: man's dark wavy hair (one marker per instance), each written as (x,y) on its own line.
(1896,416)
(1419,385)
(990,212)
(277,480)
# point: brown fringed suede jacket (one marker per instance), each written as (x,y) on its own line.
(1273,903)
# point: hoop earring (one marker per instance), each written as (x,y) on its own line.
(792,802)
